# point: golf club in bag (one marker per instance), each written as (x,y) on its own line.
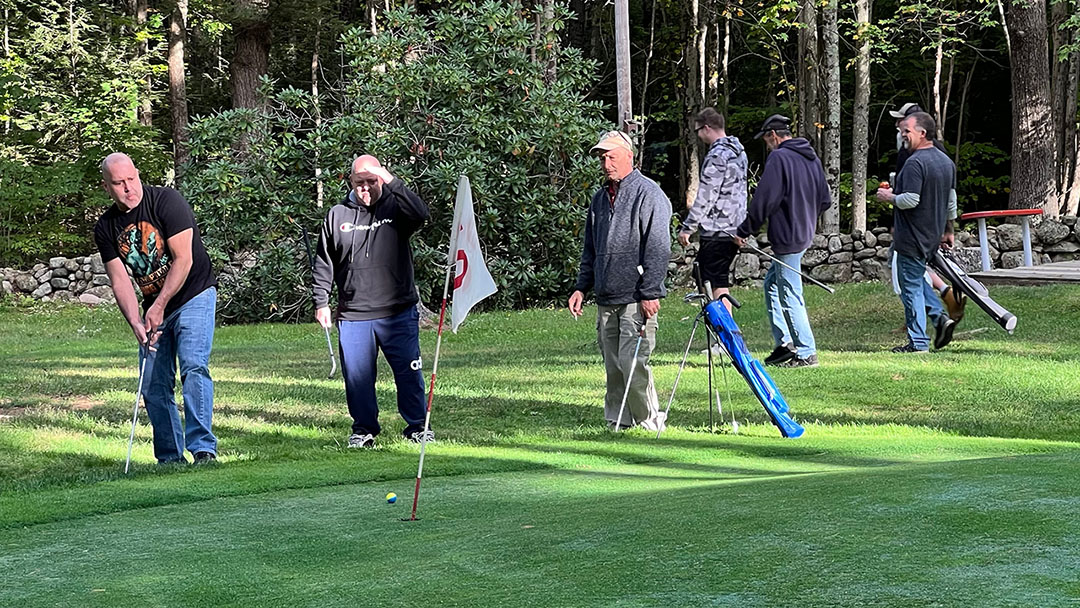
(720,321)
(311,264)
(945,264)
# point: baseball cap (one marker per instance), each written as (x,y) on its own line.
(612,140)
(905,110)
(776,122)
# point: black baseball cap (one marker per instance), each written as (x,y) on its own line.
(776,122)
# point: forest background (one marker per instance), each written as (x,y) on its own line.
(253,109)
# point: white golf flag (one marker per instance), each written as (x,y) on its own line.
(472,281)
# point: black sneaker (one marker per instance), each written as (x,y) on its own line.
(797,361)
(781,354)
(205,457)
(943,332)
(909,348)
(356,440)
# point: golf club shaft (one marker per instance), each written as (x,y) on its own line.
(785,265)
(330,347)
(630,376)
(311,264)
(135,409)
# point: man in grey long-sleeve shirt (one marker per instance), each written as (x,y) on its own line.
(923,202)
(624,260)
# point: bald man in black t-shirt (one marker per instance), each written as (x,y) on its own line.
(152,233)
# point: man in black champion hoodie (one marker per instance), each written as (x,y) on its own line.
(791,194)
(364,250)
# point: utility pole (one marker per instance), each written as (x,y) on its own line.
(622,65)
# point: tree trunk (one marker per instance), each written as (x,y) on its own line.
(808,80)
(7,55)
(831,137)
(692,96)
(1033,137)
(861,120)
(252,54)
(945,103)
(725,61)
(939,55)
(712,57)
(1072,154)
(960,113)
(145,115)
(319,195)
(178,83)
(1059,92)
(546,45)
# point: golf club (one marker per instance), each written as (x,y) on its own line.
(630,376)
(778,261)
(144,355)
(311,263)
(633,363)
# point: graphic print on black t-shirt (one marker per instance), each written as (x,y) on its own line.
(142,248)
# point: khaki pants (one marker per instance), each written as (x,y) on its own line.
(617,330)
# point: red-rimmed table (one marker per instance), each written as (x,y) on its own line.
(1025,221)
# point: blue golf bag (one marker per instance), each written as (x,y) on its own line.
(723,325)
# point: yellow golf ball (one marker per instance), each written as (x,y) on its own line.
(391,498)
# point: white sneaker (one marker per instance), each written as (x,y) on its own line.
(361,441)
(717,350)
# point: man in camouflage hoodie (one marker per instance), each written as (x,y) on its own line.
(720,205)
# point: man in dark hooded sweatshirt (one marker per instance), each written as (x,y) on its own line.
(364,250)
(791,194)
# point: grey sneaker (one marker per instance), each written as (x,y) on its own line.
(908,348)
(421,436)
(361,441)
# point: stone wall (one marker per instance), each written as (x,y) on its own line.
(832,258)
(81,279)
(864,256)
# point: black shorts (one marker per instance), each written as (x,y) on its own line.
(715,258)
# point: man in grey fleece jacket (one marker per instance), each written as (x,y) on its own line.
(624,260)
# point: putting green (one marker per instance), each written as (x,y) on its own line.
(977,532)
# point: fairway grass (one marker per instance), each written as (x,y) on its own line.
(942,480)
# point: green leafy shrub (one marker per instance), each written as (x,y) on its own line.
(453,92)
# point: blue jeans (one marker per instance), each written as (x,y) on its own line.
(399,338)
(919,298)
(186,336)
(786,307)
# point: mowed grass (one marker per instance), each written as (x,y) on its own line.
(942,480)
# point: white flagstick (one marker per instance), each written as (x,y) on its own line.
(451,263)
(431,395)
